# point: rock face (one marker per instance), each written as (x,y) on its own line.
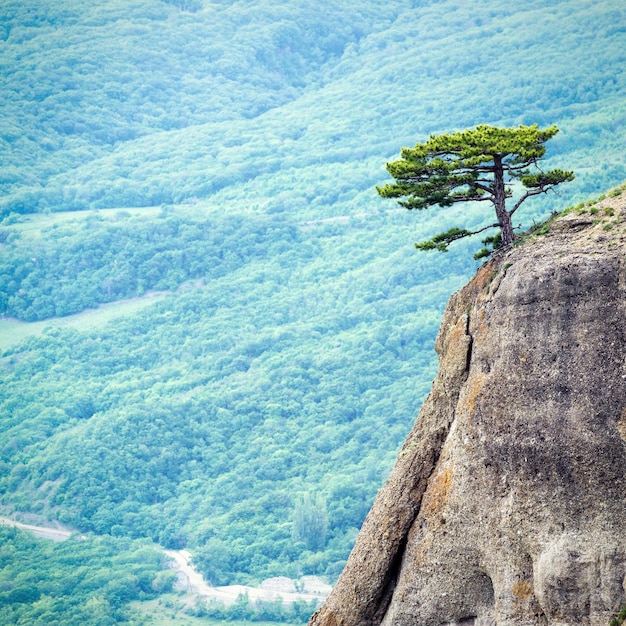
(507,503)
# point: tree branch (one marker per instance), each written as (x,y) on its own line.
(521,166)
(528,194)
(482,186)
(480,230)
(474,199)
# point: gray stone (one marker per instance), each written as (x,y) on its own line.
(507,503)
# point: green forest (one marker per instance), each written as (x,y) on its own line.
(215,333)
(83,581)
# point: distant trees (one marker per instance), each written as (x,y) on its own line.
(198,418)
(483,164)
(310,521)
(107,259)
(87,581)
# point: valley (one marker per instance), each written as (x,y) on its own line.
(214,334)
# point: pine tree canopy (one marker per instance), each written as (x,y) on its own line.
(482,164)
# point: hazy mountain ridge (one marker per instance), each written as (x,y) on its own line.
(232,95)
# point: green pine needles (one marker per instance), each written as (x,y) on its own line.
(484,164)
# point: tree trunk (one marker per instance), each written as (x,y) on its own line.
(499,193)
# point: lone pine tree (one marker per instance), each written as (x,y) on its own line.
(481,164)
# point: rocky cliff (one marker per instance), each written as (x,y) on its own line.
(507,503)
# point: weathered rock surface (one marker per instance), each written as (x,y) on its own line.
(507,504)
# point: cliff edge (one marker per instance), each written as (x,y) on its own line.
(507,503)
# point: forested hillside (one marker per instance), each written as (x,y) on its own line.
(224,154)
(80,581)
(203,418)
(287,106)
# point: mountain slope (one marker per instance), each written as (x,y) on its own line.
(171,105)
(294,345)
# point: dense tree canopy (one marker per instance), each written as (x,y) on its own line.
(204,420)
(87,581)
(483,164)
(130,103)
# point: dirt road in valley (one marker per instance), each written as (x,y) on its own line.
(192,582)
(46,532)
(272,589)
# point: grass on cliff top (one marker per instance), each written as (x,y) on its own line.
(589,207)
